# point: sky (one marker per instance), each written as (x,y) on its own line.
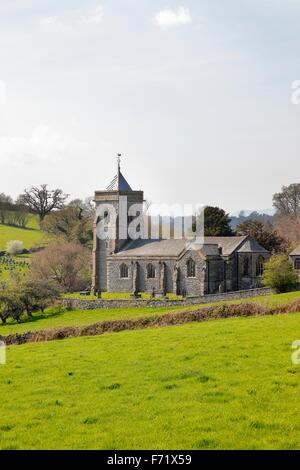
(195,94)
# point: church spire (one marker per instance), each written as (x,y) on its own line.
(119,183)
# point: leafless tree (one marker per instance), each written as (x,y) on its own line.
(68,264)
(287,202)
(43,201)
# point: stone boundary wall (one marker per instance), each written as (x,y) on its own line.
(82,304)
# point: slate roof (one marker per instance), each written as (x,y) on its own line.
(296,252)
(119,183)
(175,248)
(159,248)
(251,246)
(228,244)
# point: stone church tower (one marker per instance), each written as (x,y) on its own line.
(115,196)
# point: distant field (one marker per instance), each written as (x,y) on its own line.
(31,235)
(56,318)
(226,384)
(13,264)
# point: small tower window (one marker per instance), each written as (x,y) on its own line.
(124,271)
(260,266)
(246,267)
(191,268)
(151,272)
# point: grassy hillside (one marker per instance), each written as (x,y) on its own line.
(222,384)
(13,264)
(55,318)
(31,235)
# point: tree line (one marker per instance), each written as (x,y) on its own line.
(279,234)
(74,220)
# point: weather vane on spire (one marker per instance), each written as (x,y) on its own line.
(119,161)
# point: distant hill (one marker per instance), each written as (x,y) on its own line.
(246,215)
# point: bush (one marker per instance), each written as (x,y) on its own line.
(38,294)
(27,297)
(14,247)
(10,305)
(68,264)
(280,275)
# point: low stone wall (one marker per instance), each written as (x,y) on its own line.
(82,304)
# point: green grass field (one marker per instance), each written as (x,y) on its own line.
(56,318)
(32,235)
(226,384)
(20,266)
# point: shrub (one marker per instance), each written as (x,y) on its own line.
(38,294)
(10,305)
(26,297)
(67,264)
(14,247)
(279,274)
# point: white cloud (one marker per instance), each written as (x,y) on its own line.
(94,16)
(168,18)
(75,17)
(45,145)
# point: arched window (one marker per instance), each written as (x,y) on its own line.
(297,264)
(260,266)
(151,272)
(191,268)
(246,267)
(124,271)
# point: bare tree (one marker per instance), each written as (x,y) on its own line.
(86,207)
(42,201)
(6,205)
(287,202)
(68,264)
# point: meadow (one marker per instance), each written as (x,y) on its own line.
(225,384)
(62,317)
(31,235)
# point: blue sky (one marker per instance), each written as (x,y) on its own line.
(195,94)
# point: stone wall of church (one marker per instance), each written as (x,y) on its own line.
(114,281)
(190,286)
(248,275)
(117,284)
(211,277)
(193,285)
(103,248)
(215,276)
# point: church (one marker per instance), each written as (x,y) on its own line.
(172,265)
